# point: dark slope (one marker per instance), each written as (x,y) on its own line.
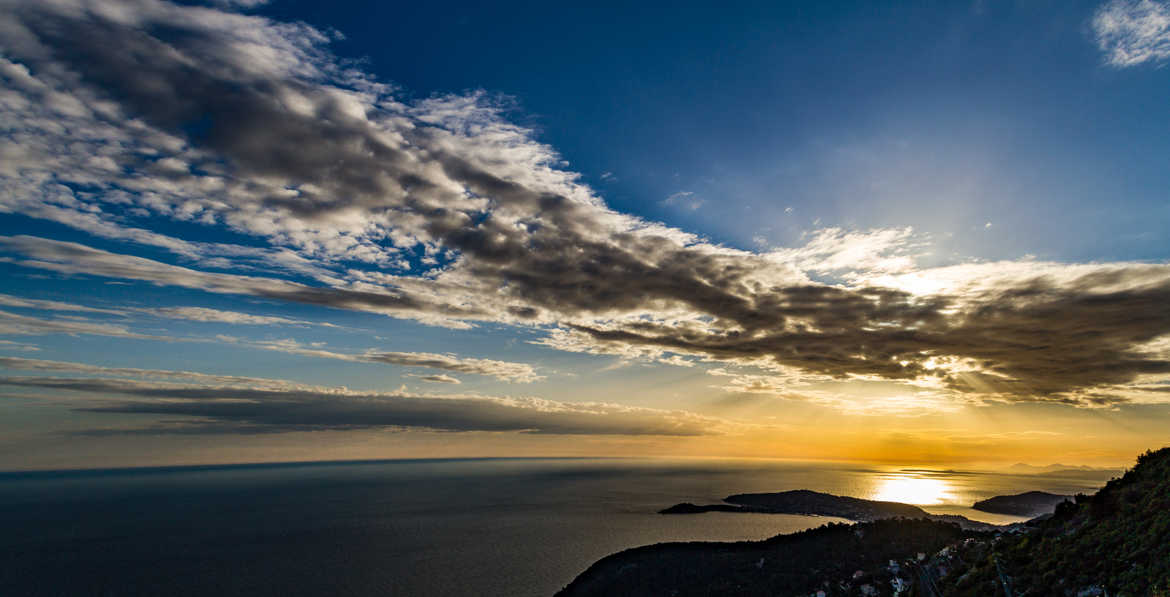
(782,565)
(1032,503)
(1117,540)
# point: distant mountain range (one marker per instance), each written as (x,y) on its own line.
(1030,469)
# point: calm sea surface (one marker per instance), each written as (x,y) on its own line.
(509,527)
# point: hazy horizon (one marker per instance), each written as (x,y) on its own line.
(1000,468)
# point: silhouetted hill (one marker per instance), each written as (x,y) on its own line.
(783,565)
(1116,542)
(1032,503)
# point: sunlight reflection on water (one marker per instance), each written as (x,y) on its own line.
(913,488)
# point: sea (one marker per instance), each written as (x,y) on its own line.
(442,528)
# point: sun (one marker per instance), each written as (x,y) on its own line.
(909,489)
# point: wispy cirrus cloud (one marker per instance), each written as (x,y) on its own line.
(23,364)
(7,300)
(507,371)
(10,345)
(684,199)
(24,325)
(204,314)
(439,379)
(15,324)
(502,370)
(77,259)
(1132,32)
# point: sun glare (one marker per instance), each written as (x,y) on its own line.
(910,489)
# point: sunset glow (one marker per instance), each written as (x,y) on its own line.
(912,489)
(453,299)
(256,231)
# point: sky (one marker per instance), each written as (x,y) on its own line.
(915,233)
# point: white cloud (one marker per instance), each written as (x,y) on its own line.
(24,325)
(440,378)
(685,200)
(8,300)
(502,370)
(1131,32)
(22,364)
(204,314)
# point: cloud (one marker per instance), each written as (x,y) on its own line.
(13,324)
(515,372)
(232,409)
(120,113)
(439,379)
(1131,32)
(774,384)
(867,398)
(22,364)
(78,259)
(853,253)
(204,314)
(1060,330)
(8,300)
(23,325)
(10,345)
(502,370)
(684,199)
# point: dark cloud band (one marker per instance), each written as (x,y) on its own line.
(298,409)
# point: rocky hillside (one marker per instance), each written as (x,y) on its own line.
(1116,541)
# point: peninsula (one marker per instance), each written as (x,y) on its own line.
(1032,503)
(815,503)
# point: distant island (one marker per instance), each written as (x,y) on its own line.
(815,503)
(1111,543)
(1032,503)
(1020,468)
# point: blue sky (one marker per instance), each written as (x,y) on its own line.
(396,230)
(940,116)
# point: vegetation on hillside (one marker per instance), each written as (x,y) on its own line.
(1116,541)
